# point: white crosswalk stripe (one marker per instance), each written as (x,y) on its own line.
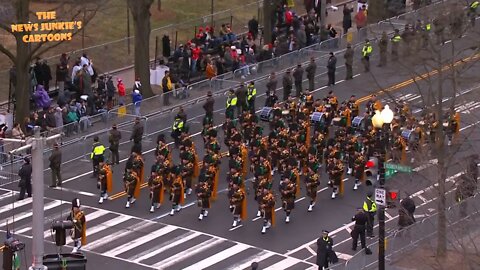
(218,257)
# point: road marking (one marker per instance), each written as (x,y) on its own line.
(220,256)
(388,215)
(248,262)
(422,198)
(118,235)
(337,230)
(76,191)
(103,226)
(6,195)
(283,264)
(313,252)
(88,218)
(421,216)
(164,246)
(139,241)
(172,260)
(28,214)
(11,206)
(343,256)
(236,227)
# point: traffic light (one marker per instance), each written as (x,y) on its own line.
(392,197)
(371,170)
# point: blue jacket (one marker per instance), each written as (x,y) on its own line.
(136,98)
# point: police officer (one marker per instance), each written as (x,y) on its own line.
(361,220)
(25,183)
(366,52)
(208,106)
(331,67)
(136,137)
(472,12)
(311,70)
(383,45)
(251,94)
(114,140)
(287,85)
(298,77)
(97,155)
(370,208)
(396,39)
(231,104)
(349,61)
(177,129)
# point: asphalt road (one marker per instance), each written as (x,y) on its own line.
(134,238)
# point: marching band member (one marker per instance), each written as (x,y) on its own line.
(79,230)
(267,204)
(203,198)
(132,186)
(312,181)
(239,202)
(177,191)
(104,181)
(156,191)
(359,169)
(287,190)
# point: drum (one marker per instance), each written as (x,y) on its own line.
(317,118)
(266,114)
(358,122)
(409,135)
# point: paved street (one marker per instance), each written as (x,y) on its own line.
(136,239)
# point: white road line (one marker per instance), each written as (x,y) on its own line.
(313,252)
(118,235)
(449,179)
(343,256)
(6,195)
(187,253)
(349,230)
(283,264)
(29,213)
(422,198)
(220,256)
(139,241)
(103,226)
(76,191)
(236,227)
(164,246)
(11,206)
(259,257)
(388,215)
(88,217)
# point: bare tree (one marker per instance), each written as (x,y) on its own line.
(440,64)
(140,10)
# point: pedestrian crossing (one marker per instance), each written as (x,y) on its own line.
(143,242)
(416,102)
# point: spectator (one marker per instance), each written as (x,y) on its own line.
(50,119)
(137,85)
(25,182)
(84,121)
(253,27)
(137,101)
(361,18)
(38,71)
(85,61)
(332,33)
(60,78)
(85,81)
(75,72)
(42,99)
(167,87)
(301,37)
(110,92)
(18,134)
(47,74)
(195,56)
(121,92)
(347,18)
(64,60)
(28,125)
(210,70)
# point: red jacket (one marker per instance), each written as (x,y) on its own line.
(121,89)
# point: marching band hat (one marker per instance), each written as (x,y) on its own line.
(325,232)
(76,203)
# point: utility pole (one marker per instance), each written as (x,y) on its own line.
(37,146)
(323,9)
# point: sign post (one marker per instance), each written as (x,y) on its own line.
(380,196)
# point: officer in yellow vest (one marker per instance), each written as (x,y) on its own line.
(231,104)
(97,155)
(366,52)
(177,128)
(251,94)
(370,207)
(396,39)
(472,12)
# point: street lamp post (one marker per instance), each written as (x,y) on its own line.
(379,120)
